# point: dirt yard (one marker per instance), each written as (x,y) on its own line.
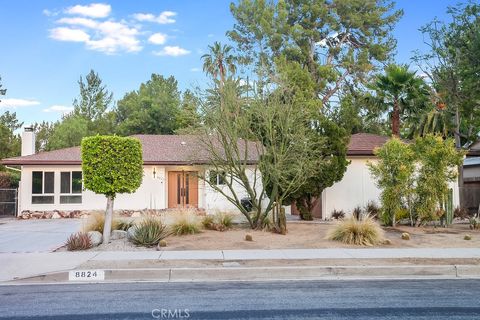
(303,235)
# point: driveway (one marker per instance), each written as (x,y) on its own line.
(35,235)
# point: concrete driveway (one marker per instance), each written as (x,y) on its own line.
(35,235)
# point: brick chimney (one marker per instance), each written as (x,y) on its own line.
(28,141)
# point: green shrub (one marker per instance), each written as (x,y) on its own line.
(78,241)
(401,213)
(338,214)
(221,221)
(149,232)
(365,232)
(186,223)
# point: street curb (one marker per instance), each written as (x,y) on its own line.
(266,274)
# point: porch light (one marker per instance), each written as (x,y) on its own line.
(154,173)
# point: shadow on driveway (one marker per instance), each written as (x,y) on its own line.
(35,235)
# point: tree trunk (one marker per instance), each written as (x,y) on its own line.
(396,119)
(458,145)
(107,227)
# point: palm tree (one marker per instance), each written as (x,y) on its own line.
(399,90)
(219,62)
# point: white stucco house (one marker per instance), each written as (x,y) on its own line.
(53,180)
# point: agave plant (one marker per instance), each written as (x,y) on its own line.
(78,241)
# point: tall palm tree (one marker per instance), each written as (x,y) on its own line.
(399,90)
(219,62)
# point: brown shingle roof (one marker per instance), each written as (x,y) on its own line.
(157,149)
(363,144)
(179,150)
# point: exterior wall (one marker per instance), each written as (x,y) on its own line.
(471,172)
(357,188)
(152,194)
(149,195)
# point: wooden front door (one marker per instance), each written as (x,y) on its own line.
(182,189)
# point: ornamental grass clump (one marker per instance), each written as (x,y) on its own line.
(149,232)
(221,221)
(186,222)
(364,232)
(78,241)
(96,222)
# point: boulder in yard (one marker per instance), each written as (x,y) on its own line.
(55,215)
(405,236)
(248,237)
(118,234)
(130,233)
(387,242)
(467,237)
(96,238)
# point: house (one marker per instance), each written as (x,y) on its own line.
(471,178)
(53,180)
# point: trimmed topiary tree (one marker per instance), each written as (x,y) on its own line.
(111,165)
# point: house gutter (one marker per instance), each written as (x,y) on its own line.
(13,169)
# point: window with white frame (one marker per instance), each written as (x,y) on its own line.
(43,187)
(217,177)
(71,187)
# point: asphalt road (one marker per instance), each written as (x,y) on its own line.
(392,299)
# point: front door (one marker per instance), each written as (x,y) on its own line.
(182,189)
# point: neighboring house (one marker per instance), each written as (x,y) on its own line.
(471,178)
(52,180)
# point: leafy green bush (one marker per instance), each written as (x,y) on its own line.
(78,241)
(186,223)
(365,232)
(111,165)
(221,221)
(149,232)
(393,176)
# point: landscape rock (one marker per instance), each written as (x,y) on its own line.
(405,236)
(467,237)
(118,234)
(248,237)
(387,242)
(55,215)
(130,233)
(96,238)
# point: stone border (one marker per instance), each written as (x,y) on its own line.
(83,214)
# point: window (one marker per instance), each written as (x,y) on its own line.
(71,187)
(43,187)
(217,178)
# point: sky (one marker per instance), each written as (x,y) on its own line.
(47,45)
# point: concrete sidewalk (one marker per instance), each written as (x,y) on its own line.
(22,265)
